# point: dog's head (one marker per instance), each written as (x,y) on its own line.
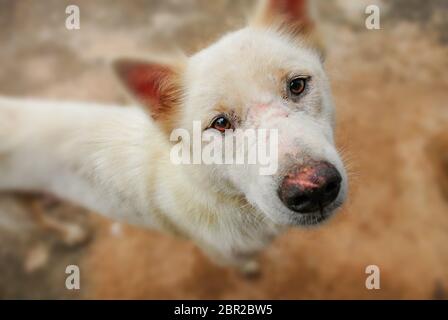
(270,76)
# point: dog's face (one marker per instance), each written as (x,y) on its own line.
(257,78)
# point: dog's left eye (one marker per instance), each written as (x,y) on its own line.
(297,85)
(221,124)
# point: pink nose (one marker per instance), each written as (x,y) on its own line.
(310,187)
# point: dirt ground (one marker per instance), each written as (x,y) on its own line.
(391,93)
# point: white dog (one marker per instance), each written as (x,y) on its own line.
(116,160)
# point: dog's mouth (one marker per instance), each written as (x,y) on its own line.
(315,218)
(309,220)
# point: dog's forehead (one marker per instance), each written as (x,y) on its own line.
(251,54)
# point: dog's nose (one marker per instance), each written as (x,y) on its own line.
(310,187)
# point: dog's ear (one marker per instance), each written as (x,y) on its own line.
(295,17)
(157,86)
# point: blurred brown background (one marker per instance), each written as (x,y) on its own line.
(391,90)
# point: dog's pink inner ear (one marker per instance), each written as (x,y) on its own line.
(291,12)
(290,9)
(153,85)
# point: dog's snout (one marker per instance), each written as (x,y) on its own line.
(310,187)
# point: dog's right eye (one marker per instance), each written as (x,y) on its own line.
(297,86)
(221,124)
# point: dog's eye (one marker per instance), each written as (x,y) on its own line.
(221,124)
(297,85)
